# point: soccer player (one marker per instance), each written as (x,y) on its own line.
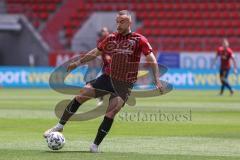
(226,55)
(125,48)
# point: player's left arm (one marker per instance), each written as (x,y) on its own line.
(147,51)
(232,57)
(154,65)
(234,64)
(215,59)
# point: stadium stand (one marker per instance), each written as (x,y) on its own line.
(2,7)
(170,25)
(38,11)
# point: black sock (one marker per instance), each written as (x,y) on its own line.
(103,130)
(69,111)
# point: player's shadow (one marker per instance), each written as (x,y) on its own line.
(68,152)
(101,152)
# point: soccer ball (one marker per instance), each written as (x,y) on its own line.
(55,140)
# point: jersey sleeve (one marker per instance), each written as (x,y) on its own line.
(146,47)
(230,53)
(102,44)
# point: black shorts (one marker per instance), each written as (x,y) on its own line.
(104,85)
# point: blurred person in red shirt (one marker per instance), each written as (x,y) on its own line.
(105,57)
(226,56)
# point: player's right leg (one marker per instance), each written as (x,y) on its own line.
(87,93)
(115,105)
(226,81)
(222,82)
(117,100)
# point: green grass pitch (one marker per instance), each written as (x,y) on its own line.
(198,125)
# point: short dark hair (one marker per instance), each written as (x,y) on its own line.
(124,12)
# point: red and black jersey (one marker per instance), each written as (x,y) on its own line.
(125,52)
(225,56)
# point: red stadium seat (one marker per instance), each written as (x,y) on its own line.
(67,24)
(43,15)
(69,32)
(36,24)
(51,7)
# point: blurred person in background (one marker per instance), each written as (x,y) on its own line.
(105,57)
(93,70)
(226,56)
